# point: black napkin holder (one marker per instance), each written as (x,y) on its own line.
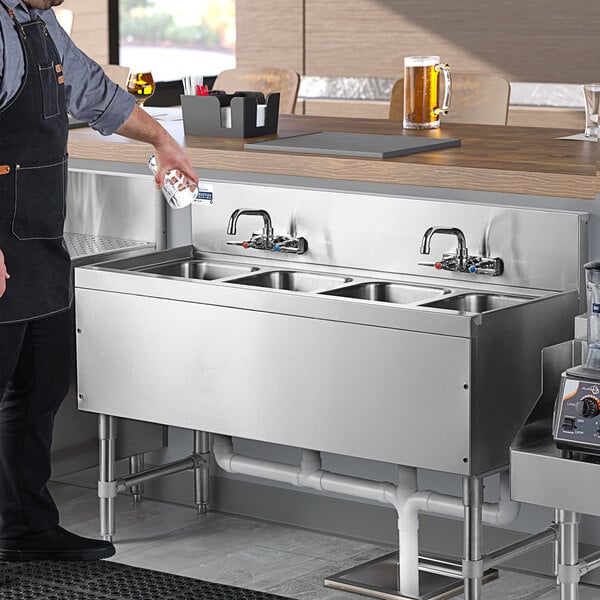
(202,115)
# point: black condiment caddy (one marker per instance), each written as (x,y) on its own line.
(202,114)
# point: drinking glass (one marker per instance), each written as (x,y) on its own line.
(141,85)
(421,83)
(591,92)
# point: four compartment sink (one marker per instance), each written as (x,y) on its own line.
(334,285)
(477,302)
(297,281)
(383,291)
(199,269)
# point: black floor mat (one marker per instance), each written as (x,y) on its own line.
(89,580)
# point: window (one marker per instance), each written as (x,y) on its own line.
(174,38)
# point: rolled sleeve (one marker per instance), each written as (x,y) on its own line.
(91,95)
(116,111)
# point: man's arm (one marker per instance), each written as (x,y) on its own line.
(169,154)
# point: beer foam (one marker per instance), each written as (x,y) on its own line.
(421,61)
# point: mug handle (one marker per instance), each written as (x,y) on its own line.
(445,69)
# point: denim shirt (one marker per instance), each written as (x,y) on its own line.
(91,96)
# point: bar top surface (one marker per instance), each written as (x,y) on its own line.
(518,160)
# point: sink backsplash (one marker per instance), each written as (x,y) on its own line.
(540,249)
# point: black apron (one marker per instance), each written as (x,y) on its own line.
(33,182)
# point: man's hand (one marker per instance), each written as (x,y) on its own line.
(169,154)
(3,275)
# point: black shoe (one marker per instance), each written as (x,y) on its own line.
(55,544)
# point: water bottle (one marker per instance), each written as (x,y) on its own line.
(178,191)
(592,282)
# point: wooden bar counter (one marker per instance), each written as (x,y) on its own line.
(514,160)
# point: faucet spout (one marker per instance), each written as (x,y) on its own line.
(460,236)
(236,214)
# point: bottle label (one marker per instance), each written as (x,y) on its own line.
(205,194)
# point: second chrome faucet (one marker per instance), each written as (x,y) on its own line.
(460,260)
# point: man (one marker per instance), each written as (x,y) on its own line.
(42,74)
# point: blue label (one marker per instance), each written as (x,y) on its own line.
(595,307)
(204,196)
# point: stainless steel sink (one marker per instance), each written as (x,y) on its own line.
(199,269)
(382,291)
(293,280)
(477,303)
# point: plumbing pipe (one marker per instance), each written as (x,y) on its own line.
(501,514)
(235,463)
(310,475)
(506,510)
(405,498)
(408,557)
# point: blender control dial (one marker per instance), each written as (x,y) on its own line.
(588,407)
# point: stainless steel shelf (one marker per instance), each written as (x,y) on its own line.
(541,473)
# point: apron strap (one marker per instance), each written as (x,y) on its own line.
(11,14)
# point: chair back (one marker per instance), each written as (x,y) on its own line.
(476,98)
(117,73)
(65,18)
(265,80)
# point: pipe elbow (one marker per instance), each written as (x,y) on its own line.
(502,514)
(223,452)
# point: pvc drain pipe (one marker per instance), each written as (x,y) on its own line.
(405,498)
(499,514)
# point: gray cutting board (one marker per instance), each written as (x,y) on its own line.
(353,144)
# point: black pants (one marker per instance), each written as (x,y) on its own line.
(35,369)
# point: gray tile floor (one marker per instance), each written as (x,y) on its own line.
(247,553)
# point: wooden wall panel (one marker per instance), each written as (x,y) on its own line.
(521,116)
(90,27)
(270,33)
(537,40)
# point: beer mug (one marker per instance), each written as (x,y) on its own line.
(421,89)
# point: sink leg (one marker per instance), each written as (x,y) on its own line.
(472,559)
(568,555)
(201,473)
(107,485)
(556,545)
(136,465)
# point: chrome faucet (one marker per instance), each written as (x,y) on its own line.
(461,251)
(266,240)
(460,260)
(236,214)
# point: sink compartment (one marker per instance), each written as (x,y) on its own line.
(382,291)
(477,302)
(295,281)
(199,269)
